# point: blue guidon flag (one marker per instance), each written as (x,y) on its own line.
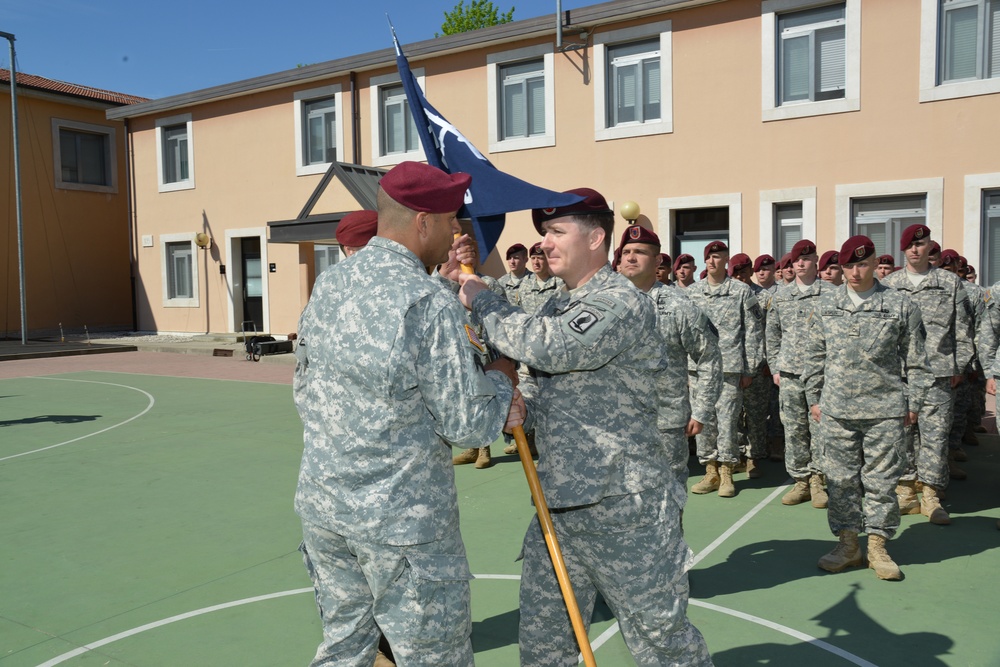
(493,193)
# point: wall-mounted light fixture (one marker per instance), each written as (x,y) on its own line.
(203,240)
(629,211)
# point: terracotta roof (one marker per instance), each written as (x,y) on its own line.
(76,90)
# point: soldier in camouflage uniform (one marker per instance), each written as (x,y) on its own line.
(684,268)
(791,311)
(765,271)
(756,397)
(945,309)
(988,340)
(861,338)
(687,334)
(734,311)
(977,403)
(663,270)
(385,382)
(830,269)
(886,265)
(534,292)
(517,261)
(596,355)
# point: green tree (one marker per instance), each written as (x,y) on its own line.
(479,14)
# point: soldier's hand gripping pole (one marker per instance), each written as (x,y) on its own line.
(551,541)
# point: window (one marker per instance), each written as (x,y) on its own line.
(811,61)
(520,98)
(883,219)
(175,152)
(788,227)
(970,40)
(687,224)
(179,270)
(85,157)
(395,133)
(989,271)
(633,86)
(318,132)
(326,256)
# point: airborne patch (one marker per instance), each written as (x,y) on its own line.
(583,320)
(474,339)
(756,312)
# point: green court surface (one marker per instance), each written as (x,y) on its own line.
(147,520)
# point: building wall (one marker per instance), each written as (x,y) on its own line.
(76,255)
(721,151)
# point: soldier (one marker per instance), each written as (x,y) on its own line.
(689,340)
(684,268)
(977,406)
(385,382)
(517,261)
(970,274)
(829,268)
(596,355)
(734,311)
(886,265)
(355,230)
(663,269)
(792,309)
(945,309)
(935,255)
(756,397)
(862,337)
(787,271)
(764,269)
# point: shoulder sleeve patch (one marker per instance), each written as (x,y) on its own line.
(756,312)
(474,339)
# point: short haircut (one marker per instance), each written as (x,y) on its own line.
(605,221)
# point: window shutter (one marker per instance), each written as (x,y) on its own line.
(795,69)
(960,43)
(412,139)
(626,85)
(877,233)
(91,156)
(994,37)
(651,89)
(536,109)
(830,45)
(514,106)
(394,128)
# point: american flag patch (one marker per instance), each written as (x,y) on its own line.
(474,339)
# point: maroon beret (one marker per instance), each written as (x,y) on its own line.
(639,234)
(948,257)
(665,259)
(704,272)
(683,259)
(963,263)
(593,203)
(357,228)
(912,233)
(762,261)
(856,249)
(970,268)
(785,260)
(421,187)
(716,246)
(829,257)
(935,248)
(803,247)
(739,262)
(516,248)
(536,250)
(887,259)
(617,259)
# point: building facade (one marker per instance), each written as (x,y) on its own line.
(756,122)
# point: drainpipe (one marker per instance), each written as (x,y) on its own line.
(355,125)
(133,248)
(558,25)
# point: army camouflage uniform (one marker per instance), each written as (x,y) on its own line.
(533,293)
(788,321)
(595,354)
(687,334)
(734,311)
(944,307)
(853,363)
(385,381)
(970,395)
(775,430)
(757,397)
(988,337)
(512,285)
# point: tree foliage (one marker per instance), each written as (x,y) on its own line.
(478,14)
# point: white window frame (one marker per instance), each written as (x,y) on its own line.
(602,41)
(933,188)
(768,198)
(770,109)
(109,132)
(375,87)
(972,218)
(930,89)
(667,207)
(194,301)
(494,95)
(300,99)
(161,123)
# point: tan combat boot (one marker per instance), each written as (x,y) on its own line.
(818,493)
(753,469)
(382,661)
(468,456)
(710,482)
(844,555)
(880,560)
(511,448)
(906,495)
(930,507)
(484,460)
(798,493)
(726,487)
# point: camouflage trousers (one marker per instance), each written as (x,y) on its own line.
(630,550)
(718,439)
(927,440)
(753,420)
(775,429)
(863,460)
(802,433)
(676,443)
(977,401)
(418,596)
(960,417)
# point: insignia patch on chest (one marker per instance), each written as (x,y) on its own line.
(474,339)
(755,311)
(583,320)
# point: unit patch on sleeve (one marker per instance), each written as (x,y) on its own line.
(474,339)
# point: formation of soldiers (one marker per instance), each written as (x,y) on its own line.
(751,335)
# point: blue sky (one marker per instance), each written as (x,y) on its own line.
(154,49)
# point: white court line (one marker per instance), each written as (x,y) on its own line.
(149,407)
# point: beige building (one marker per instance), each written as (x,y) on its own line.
(756,122)
(74,210)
